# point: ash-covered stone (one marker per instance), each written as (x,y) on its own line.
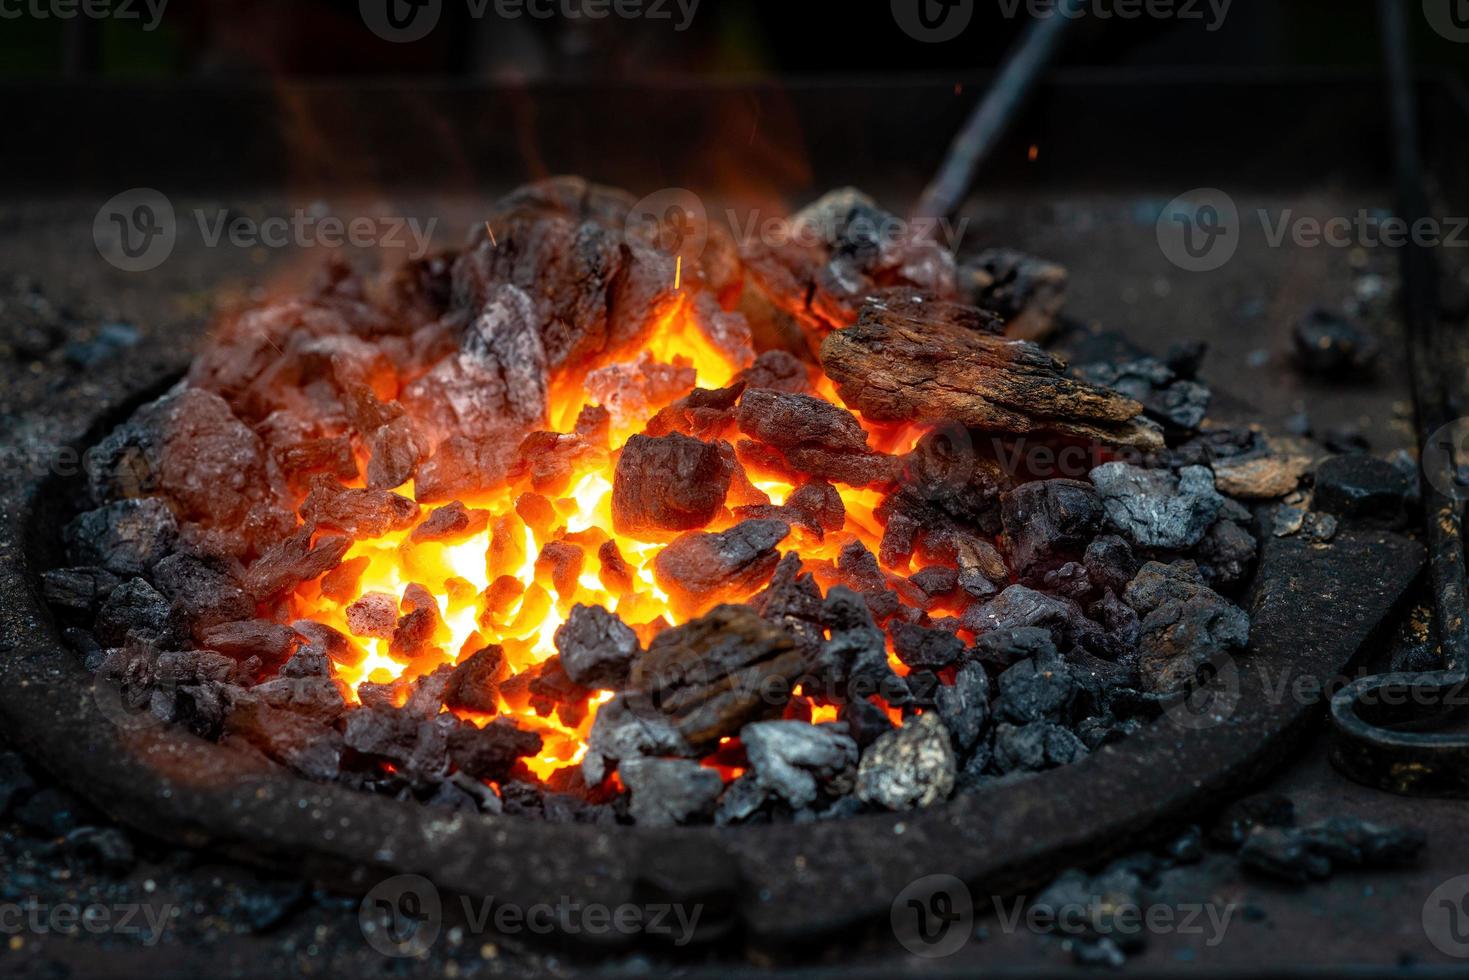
(913,766)
(668,483)
(1178,403)
(1364,489)
(1034,747)
(794,761)
(1155,509)
(699,568)
(920,647)
(127,537)
(596,648)
(1185,624)
(1332,346)
(964,705)
(629,726)
(669,792)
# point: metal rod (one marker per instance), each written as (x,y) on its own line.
(992,117)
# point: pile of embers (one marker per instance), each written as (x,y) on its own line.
(553,526)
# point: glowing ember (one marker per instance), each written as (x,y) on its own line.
(495,586)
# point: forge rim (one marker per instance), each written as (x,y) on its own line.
(1312,611)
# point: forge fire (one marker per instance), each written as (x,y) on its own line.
(574,524)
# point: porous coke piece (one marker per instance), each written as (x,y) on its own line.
(913,766)
(475,683)
(699,568)
(814,437)
(627,727)
(127,537)
(375,614)
(596,647)
(794,760)
(1155,509)
(670,792)
(450,524)
(360,513)
(294,560)
(717,673)
(1049,519)
(668,483)
(1185,624)
(490,752)
(921,647)
(1034,747)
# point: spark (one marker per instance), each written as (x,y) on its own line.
(678,273)
(493,243)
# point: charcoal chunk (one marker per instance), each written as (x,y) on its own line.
(451,524)
(1282,853)
(597,649)
(359,513)
(204,589)
(1025,291)
(375,614)
(133,606)
(127,537)
(1364,489)
(475,683)
(1185,624)
(668,483)
(1018,607)
(80,589)
(794,761)
(490,752)
(315,697)
(271,642)
(1243,816)
(1226,554)
(1352,842)
(1110,563)
(865,721)
(1040,688)
(777,370)
(715,674)
(856,652)
(921,647)
(936,581)
(1179,403)
(669,792)
(629,726)
(396,450)
(1154,509)
(698,568)
(814,437)
(913,766)
(793,600)
(1049,519)
(307,745)
(1034,747)
(964,706)
(702,413)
